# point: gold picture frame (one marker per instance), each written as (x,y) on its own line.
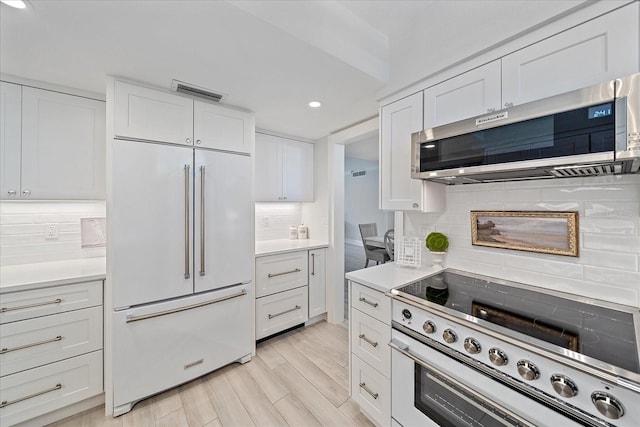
(534,231)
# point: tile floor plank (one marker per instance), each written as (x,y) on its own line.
(176,418)
(295,413)
(331,390)
(257,404)
(166,402)
(267,353)
(266,380)
(230,410)
(196,403)
(309,348)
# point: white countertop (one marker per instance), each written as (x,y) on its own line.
(39,275)
(279,246)
(386,276)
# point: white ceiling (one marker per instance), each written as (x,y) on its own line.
(271,57)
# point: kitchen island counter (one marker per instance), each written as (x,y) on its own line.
(14,278)
(280,246)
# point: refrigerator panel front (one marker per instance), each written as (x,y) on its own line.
(226,257)
(152,198)
(162,345)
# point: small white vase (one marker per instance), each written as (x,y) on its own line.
(437,259)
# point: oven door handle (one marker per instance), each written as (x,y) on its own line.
(403,349)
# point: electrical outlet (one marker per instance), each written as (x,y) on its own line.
(51,232)
(265,221)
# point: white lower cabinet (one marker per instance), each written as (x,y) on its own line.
(370,333)
(317,282)
(51,342)
(34,392)
(277,312)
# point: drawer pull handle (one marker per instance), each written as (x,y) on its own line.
(297,307)
(192,364)
(368,341)
(185,308)
(364,300)
(270,275)
(22,347)
(20,399)
(365,388)
(22,307)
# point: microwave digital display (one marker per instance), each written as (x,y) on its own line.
(600,111)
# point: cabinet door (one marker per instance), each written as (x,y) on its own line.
(399,119)
(223,254)
(297,171)
(152,115)
(317,282)
(604,48)
(10,139)
(268,168)
(151,202)
(63,146)
(222,128)
(470,94)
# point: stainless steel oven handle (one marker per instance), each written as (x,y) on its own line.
(404,350)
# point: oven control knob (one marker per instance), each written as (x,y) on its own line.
(472,346)
(528,370)
(563,385)
(429,327)
(607,405)
(498,357)
(406,314)
(449,336)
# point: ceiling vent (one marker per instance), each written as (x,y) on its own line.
(358,173)
(189,89)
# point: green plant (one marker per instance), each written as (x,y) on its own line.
(437,242)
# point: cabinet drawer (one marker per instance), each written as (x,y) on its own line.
(372,391)
(277,273)
(159,346)
(37,391)
(41,302)
(35,342)
(369,339)
(369,301)
(281,311)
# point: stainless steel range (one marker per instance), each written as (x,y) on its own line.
(475,350)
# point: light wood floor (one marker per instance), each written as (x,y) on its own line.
(298,379)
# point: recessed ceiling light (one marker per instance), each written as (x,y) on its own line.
(18,4)
(315,104)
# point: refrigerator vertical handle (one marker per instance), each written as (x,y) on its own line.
(187,270)
(202,221)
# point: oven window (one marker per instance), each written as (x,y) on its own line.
(451,406)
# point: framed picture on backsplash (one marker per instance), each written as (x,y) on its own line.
(534,231)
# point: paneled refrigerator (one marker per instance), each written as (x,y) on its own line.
(180,265)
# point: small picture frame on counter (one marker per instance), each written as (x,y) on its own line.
(534,231)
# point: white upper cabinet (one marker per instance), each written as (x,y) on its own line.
(467,95)
(397,190)
(10,139)
(222,128)
(604,48)
(152,115)
(283,169)
(53,145)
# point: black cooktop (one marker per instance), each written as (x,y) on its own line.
(604,332)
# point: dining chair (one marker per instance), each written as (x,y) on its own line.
(389,243)
(372,253)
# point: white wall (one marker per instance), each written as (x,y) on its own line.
(361,199)
(608,266)
(315,215)
(22,227)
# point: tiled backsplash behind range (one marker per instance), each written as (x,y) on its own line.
(274,219)
(608,266)
(22,231)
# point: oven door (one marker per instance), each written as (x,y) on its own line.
(431,389)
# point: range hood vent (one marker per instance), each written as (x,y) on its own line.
(587,170)
(192,90)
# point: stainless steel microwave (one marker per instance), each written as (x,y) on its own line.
(591,131)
